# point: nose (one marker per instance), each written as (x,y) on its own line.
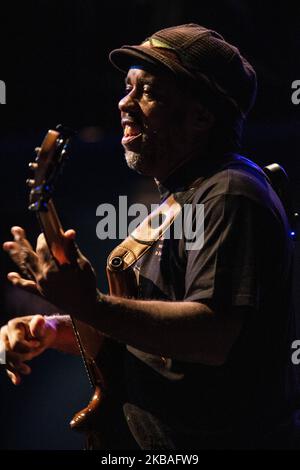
(128,103)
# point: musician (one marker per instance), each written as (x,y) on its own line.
(207,334)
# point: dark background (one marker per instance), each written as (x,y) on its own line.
(54,62)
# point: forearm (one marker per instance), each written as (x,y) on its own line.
(174,329)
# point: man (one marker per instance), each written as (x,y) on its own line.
(207,336)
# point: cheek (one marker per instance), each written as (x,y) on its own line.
(162,120)
(174,126)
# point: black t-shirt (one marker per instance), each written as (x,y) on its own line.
(245,261)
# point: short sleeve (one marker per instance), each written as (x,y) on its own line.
(226,269)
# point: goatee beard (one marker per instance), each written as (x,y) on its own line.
(138,162)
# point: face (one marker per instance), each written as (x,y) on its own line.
(156,118)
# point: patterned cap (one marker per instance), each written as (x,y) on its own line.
(194,52)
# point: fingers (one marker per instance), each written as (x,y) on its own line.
(14,362)
(20,237)
(14,373)
(16,253)
(19,234)
(19,337)
(11,247)
(74,254)
(18,281)
(15,377)
(22,253)
(70,234)
(71,248)
(37,326)
(22,341)
(42,250)
(18,368)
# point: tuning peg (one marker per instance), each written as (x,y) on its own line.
(30,183)
(34,206)
(40,206)
(33,166)
(37,149)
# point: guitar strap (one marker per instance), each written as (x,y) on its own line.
(125,255)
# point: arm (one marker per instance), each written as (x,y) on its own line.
(183,330)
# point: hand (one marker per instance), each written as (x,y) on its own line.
(22,253)
(71,287)
(23,339)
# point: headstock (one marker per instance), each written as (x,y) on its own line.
(46,167)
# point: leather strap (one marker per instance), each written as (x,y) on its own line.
(147,233)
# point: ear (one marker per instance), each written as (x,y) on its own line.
(203,118)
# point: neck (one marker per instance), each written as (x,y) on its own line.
(199,153)
(189,170)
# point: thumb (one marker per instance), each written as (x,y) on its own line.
(70,234)
(37,326)
(71,246)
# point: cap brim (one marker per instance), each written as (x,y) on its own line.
(127,56)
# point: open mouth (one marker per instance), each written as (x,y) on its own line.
(132,132)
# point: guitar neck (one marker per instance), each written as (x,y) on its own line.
(87,338)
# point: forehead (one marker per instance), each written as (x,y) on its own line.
(140,75)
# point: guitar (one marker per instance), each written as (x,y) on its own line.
(98,352)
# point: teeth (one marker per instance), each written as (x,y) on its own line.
(131,130)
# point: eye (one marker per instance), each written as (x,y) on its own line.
(153,93)
(148,91)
